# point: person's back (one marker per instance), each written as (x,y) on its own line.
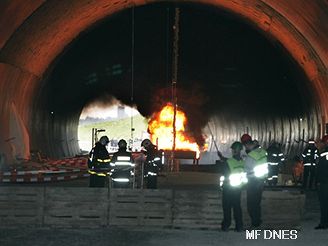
(99,163)
(257,170)
(275,159)
(310,156)
(100,152)
(122,166)
(152,163)
(322,179)
(253,159)
(121,153)
(322,167)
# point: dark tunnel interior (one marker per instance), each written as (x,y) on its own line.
(229,74)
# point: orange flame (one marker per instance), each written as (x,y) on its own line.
(160,127)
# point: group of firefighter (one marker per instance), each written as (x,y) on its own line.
(260,166)
(252,170)
(122,168)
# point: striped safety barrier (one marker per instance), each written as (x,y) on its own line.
(53,170)
(40,179)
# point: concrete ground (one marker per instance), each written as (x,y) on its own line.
(147,236)
(157,236)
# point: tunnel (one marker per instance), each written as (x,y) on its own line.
(256,66)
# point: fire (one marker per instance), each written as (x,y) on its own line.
(160,128)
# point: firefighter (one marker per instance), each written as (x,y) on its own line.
(233,180)
(256,168)
(122,165)
(275,161)
(152,163)
(322,179)
(310,155)
(98,163)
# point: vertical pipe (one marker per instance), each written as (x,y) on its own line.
(175,78)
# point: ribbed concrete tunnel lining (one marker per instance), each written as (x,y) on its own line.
(28,53)
(80,77)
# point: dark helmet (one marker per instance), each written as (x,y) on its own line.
(146,143)
(237,145)
(104,140)
(245,138)
(122,144)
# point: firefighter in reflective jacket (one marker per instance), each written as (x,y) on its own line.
(98,163)
(322,178)
(310,156)
(152,164)
(232,182)
(275,160)
(257,171)
(122,165)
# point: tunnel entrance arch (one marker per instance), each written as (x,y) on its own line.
(26,58)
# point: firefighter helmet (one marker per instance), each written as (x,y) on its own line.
(246,138)
(122,144)
(146,143)
(104,140)
(237,145)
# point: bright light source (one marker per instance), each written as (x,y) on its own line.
(115,118)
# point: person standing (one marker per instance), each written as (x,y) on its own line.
(152,164)
(98,163)
(122,164)
(322,180)
(233,180)
(275,161)
(310,155)
(256,168)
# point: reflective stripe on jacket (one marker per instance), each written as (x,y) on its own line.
(237,175)
(260,168)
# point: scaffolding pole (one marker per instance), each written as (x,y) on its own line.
(175,79)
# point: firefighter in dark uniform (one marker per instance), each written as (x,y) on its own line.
(322,181)
(152,164)
(275,161)
(310,155)
(256,167)
(233,180)
(99,163)
(122,173)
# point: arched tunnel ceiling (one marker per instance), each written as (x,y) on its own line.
(31,47)
(218,53)
(223,64)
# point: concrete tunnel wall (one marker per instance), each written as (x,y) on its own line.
(33,33)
